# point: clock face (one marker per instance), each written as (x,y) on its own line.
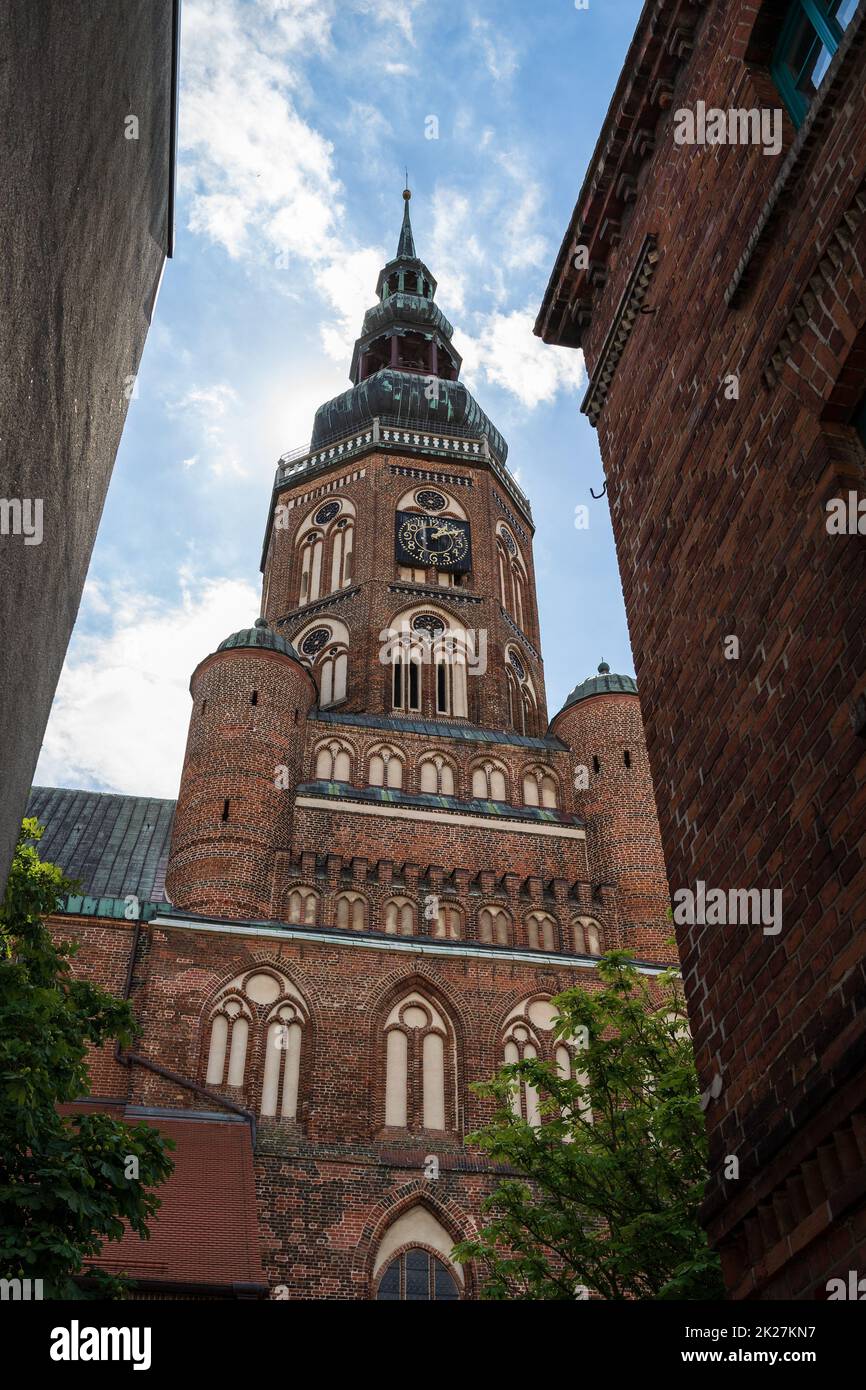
(435,541)
(326,513)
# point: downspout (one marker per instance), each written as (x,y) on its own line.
(130,1059)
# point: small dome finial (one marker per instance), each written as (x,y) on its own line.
(407,192)
(261,622)
(603,668)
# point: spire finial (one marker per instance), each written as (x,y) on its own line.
(406,244)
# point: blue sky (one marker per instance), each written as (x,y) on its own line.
(296,120)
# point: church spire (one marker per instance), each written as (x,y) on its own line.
(406,244)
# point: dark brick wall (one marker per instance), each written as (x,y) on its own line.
(718,509)
(83,225)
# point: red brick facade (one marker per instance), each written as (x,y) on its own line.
(719,294)
(353,936)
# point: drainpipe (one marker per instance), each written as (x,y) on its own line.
(130,1059)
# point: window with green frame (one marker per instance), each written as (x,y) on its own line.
(810,35)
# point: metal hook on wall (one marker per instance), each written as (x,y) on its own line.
(598,495)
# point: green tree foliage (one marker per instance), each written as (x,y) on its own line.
(606,1206)
(65,1184)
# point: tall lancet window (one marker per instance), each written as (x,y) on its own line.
(324,646)
(420,1066)
(326,541)
(428,653)
(255,1042)
(522,700)
(513,580)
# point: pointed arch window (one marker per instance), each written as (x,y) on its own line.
(255,1039)
(385,768)
(419,1066)
(587,937)
(324,646)
(522,1045)
(449,921)
(529,1034)
(540,788)
(541,931)
(229,1037)
(281,1071)
(428,655)
(400,917)
(333,762)
(494,926)
(417,1275)
(436,775)
(351,911)
(522,702)
(489,782)
(302,905)
(513,581)
(326,543)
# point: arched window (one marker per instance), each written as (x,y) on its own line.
(529,1034)
(302,905)
(396,1274)
(494,926)
(513,580)
(229,1037)
(587,937)
(489,782)
(448,922)
(282,1066)
(522,702)
(400,917)
(351,911)
(436,775)
(541,931)
(419,1066)
(429,655)
(539,788)
(333,762)
(325,541)
(522,1045)
(417,1275)
(324,646)
(312,551)
(386,768)
(255,1043)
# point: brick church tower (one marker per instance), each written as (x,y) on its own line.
(384,860)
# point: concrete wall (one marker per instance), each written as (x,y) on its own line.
(84,226)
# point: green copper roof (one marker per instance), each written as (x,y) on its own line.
(260,635)
(605,683)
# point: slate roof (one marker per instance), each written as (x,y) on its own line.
(113,845)
(469,733)
(390,796)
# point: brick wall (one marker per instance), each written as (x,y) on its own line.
(755,271)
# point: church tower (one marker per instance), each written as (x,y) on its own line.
(385,861)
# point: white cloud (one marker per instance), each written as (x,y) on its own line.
(499,55)
(121,711)
(506,353)
(207,413)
